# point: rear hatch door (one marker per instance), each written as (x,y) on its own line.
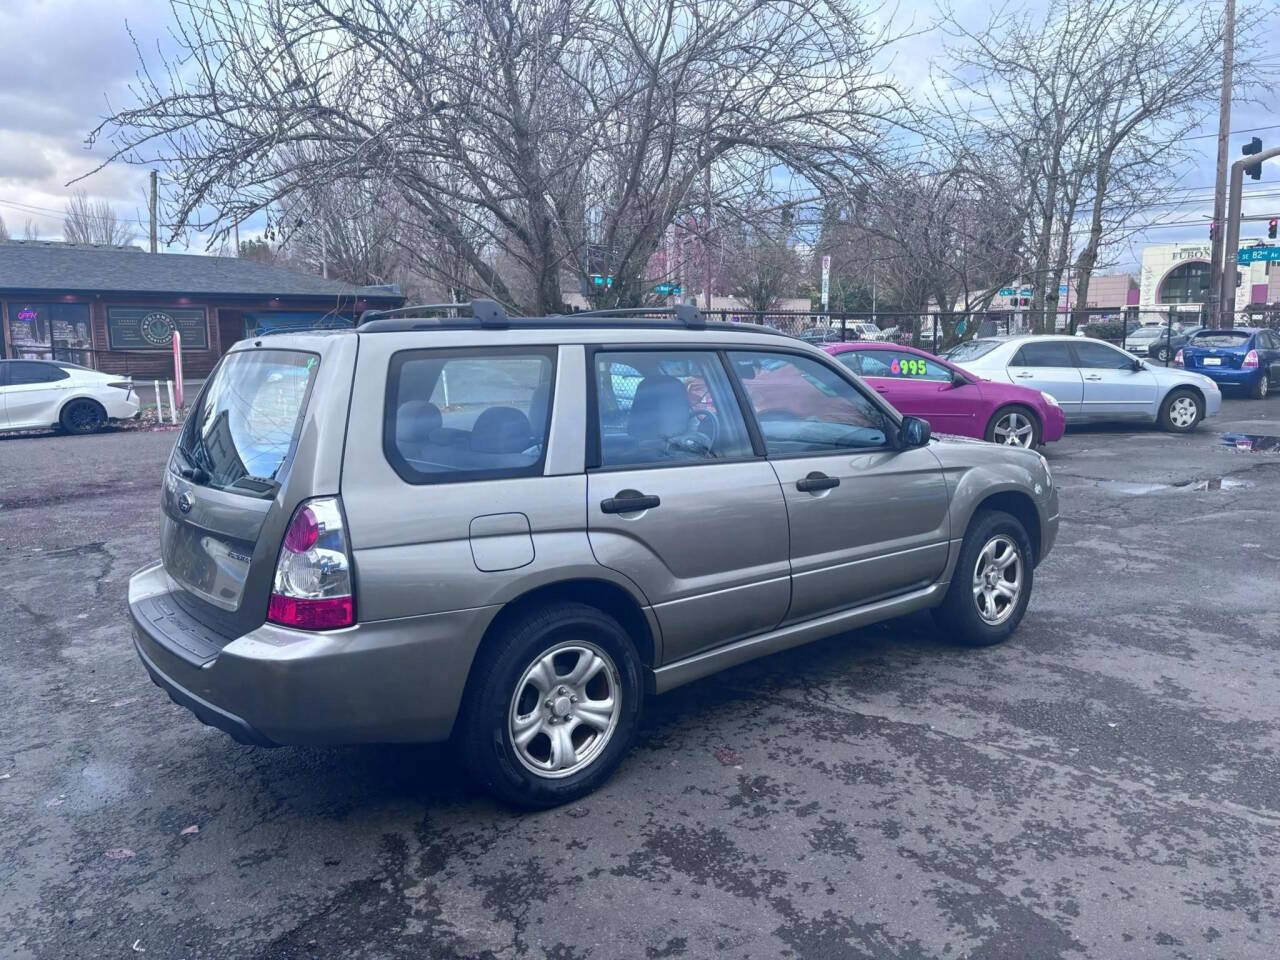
(1217,349)
(254,445)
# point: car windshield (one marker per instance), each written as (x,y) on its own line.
(1221,338)
(242,428)
(971,350)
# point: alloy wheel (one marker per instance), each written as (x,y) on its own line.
(565,709)
(997,579)
(1014,429)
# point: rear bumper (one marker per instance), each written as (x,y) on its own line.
(1230,377)
(384,681)
(125,408)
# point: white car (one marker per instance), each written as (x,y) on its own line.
(48,393)
(1094,381)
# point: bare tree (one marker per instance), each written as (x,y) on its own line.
(761,265)
(94,221)
(514,133)
(4,231)
(30,232)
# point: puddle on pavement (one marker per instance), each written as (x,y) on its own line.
(1189,486)
(1252,442)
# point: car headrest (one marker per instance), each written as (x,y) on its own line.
(501,430)
(660,409)
(415,421)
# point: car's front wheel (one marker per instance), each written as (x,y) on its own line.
(551,707)
(1181,412)
(1013,426)
(991,584)
(83,416)
(1160,354)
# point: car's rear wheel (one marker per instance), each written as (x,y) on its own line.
(83,416)
(991,584)
(551,707)
(1181,412)
(1261,387)
(1014,426)
(1161,354)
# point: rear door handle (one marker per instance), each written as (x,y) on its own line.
(817,481)
(1024,376)
(1093,376)
(629,501)
(882,389)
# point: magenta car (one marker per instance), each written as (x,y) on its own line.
(953,401)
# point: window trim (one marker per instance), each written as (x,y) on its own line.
(594,454)
(417,478)
(892,417)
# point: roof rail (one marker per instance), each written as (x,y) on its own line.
(685,313)
(486,312)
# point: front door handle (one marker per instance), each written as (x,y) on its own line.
(629,501)
(817,481)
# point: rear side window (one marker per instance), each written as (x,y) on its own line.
(481,414)
(1221,338)
(666,407)
(1047,354)
(244,425)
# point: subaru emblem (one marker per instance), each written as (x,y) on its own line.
(184,503)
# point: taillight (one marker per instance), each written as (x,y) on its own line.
(312,588)
(1251,360)
(121,384)
(1177,360)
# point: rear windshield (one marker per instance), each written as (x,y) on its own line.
(971,350)
(242,429)
(1221,338)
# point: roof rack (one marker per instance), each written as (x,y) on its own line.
(487,313)
(686,313)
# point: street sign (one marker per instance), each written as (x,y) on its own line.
(1025,292)
(826,282)
(669,289)
(1258,254)
(1008,292)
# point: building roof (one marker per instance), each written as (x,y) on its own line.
(32,267)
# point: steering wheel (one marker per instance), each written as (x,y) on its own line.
(704,419)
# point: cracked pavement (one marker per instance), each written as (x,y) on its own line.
(1104,785)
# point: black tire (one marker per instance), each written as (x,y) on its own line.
(83,416)
(1170,418)
(1160,354)
(482,735)
(1014,409)
(1261,387)
(959,617)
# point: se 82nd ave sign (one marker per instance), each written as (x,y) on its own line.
(1258,254)
(151,328)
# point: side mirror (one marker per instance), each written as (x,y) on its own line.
(1137,365)
(958,379)
(913,432)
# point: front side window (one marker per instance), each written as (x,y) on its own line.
(663,407)
(895,365)
(803,406)
(1049,353)
(241,431)
(468,414)
(1099,356)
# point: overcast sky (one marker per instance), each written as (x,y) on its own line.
(67,59)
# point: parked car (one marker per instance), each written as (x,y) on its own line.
(818,334)
(49,393)
(1094,381)
(953,401)
(1243,357)
(1137,341)
(459,528)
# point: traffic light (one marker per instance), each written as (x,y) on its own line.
(1271,228)
(1249,149)
(1213,229)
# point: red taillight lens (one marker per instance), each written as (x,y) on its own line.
(325,614)
(1251,360)
(1177,360)
(312,588)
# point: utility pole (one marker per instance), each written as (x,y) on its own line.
(324,254)
(706,243)
(1232,239)
(154,200)
(1216,273)
(237,228)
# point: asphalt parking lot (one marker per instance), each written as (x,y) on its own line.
(1104,785)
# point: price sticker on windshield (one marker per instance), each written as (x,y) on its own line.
(908,367)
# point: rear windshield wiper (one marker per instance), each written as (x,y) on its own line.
(191,470)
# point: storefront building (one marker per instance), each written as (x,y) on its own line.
(116,309)
(1177,274)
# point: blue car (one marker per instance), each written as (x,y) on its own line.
(1243,357)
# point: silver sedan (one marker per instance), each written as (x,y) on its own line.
(1092,380)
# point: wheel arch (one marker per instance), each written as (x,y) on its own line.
(77,397)
(1017,503)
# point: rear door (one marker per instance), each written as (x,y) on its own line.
(866,521)
(679,500)
(34,392)
(1268,347)
(1048,365)
(227,493)
(1112,387)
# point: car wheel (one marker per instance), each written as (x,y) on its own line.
(83,416)
(1182,412)
(1161,354)
(991,584)
(552,707)
(1014,427)
(1261,387)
